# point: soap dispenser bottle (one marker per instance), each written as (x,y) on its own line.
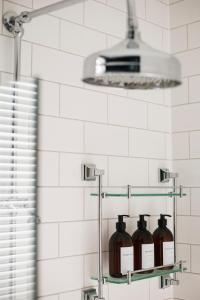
(143,246)
(164,244)
(120,250)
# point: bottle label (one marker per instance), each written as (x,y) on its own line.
(147,256)
(126,259)
(168,253)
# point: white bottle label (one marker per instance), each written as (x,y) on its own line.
(147,256)
(126,259)
(168,253)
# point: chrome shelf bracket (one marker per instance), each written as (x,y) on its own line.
(165,175)
(89,294)
(167,281)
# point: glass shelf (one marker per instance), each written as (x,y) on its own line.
(106,195)
(137,277)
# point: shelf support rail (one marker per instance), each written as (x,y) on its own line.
(165,177)
(91,173)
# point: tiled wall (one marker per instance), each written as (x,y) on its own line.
(185,29)
(126,133)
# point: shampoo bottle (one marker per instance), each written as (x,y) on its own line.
(120,250)
(164,243)
(143,246)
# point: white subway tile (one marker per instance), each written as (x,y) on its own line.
(122,171)
(153,36)
(57,66)
(27,3)
(146,144)
(83,104)
(43,30)
(91,41)
(179,95)
(189,172)
(181,145)
(156,293)
(193,35)
(147,205)
(190,62)
(154,95)
(179,39)
(139,289)
(183,253)
(168,145)
(127,112)
(96,12)
(189,287)
(183,204)
(49,98)
(187,230)
(57,275)
(184,12)
(194,93)
(112,206)
(47,241)
(58,134)
(105,139)
(195,261)
(195,202)
(48,169)
(91,267)
(72,13)
(77,295)
(60,204)
(70,169)
(186,117)
(195,144)
(159,118)
(55,297)
(157,12)
(83,238)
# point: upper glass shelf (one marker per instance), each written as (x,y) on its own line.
(151,191)
(137,277)
(125,195)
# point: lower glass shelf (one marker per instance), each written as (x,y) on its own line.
(137,277)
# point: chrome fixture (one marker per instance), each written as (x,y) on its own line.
(131,64)
(91,173)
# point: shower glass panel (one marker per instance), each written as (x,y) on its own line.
(18,175)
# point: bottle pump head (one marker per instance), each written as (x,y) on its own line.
(121,225)
(142,224)
(162,222)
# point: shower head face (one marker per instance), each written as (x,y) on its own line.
(132,65)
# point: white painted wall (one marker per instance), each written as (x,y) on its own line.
(185,36)
(111,128)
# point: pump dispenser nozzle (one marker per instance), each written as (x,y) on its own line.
(121,225)
(142,223)
(162,222)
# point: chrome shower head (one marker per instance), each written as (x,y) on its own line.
(132,64)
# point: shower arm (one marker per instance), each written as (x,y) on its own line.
(14,24)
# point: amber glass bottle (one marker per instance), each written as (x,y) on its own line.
(120,250)
(143,246)
(164,244)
